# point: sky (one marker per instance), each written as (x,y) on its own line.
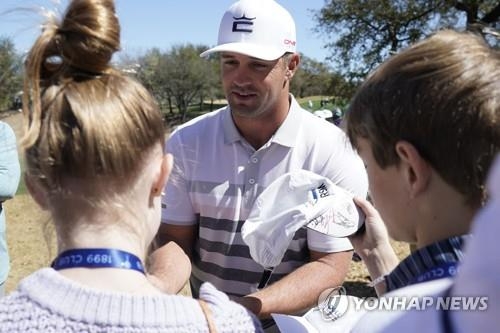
(161,23)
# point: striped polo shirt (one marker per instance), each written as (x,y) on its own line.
(217,176)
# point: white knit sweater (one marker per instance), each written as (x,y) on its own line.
(46,302)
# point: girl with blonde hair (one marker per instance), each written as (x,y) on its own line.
(95,161)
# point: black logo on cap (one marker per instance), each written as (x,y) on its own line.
(323,190)
(243,24)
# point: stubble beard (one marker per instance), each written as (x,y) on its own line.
(246,111)
(250,113)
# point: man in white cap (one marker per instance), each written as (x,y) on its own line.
(226,158)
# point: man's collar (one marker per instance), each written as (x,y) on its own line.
(286,134)
(231,134)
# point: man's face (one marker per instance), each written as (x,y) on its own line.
(252,86)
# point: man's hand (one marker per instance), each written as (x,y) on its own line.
(299,291)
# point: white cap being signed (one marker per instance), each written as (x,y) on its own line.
(294,200)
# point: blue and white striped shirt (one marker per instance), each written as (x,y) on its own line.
(423,260)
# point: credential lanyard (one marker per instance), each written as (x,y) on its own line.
(97,258)
(447,269)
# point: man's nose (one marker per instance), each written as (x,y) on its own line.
(242,76)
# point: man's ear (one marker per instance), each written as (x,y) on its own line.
(416,170)
(36,190)
(161,179)
(293,65)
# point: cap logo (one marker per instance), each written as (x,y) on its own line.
(319,192)
(323,190)
(243,24)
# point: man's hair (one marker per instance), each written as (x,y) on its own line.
(287,57)
(443,96)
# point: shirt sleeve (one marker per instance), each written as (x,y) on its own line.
(10,171)
(346,169)
(319,242)
(176,204)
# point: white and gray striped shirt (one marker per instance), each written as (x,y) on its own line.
(217,176)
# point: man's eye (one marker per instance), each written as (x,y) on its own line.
(260,66)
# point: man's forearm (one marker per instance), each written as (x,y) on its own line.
(300,290)
(169,268)
(170,265)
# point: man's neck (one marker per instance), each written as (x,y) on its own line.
(258,131)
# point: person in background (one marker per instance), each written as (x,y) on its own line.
(224,160)
(95,161)
(10,173)
(337,116)
(426,124)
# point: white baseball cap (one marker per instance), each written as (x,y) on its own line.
(261,29)
(296,199)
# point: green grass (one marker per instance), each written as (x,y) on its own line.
(304,102)
(316,103)
(21,189)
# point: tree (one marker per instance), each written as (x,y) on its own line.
(189,76)
(363,33)
(10,77)
(315,78)
(179,77)
(152,72)
(212,89)
(311,79)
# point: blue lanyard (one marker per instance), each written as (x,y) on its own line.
(97,258)
(447,269)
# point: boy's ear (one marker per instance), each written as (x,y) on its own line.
(38,193)
(417,171)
